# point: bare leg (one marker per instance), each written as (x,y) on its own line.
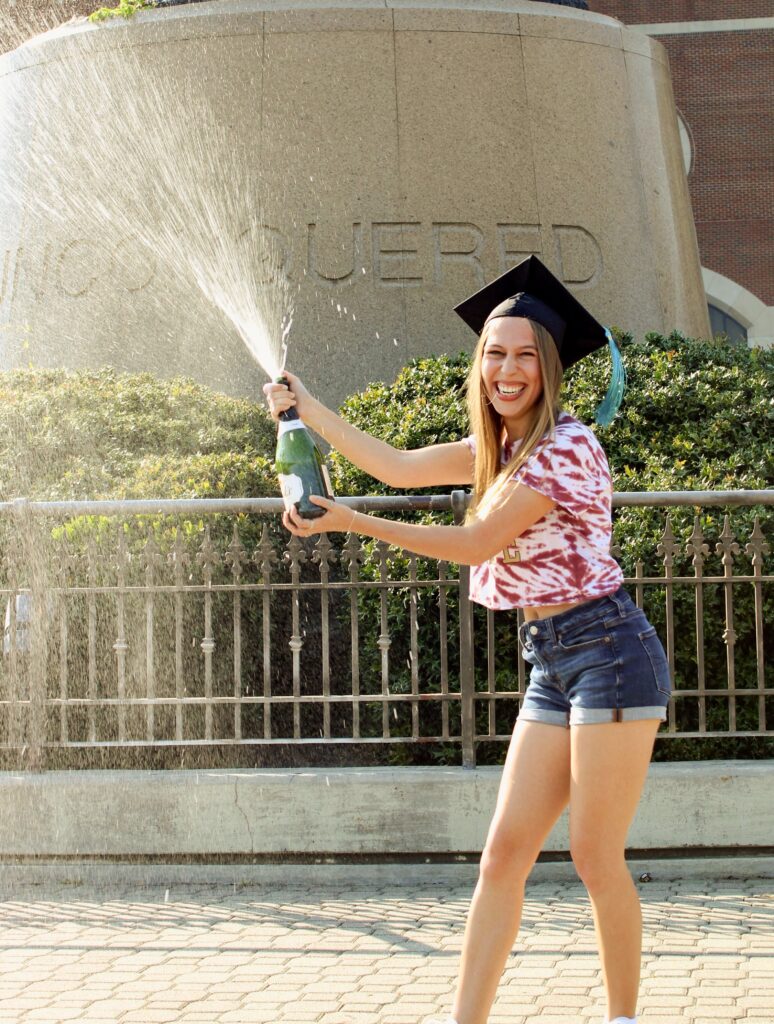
(534,790)
(609,767)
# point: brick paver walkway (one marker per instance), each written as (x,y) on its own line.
(219,954)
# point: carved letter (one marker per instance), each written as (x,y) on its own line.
(515,242)
(383,252)
(578,255)
(334,279)
(458,243)
(72,287)
(16,269)
(7,260)
(10,283)
(269,252)
(133,265)
(44,270)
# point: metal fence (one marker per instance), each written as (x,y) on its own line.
(171,625)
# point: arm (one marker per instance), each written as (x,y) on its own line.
(434,466)
(471,544)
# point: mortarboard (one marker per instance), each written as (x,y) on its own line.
(530,290)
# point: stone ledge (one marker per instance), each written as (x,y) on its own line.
(358,812)
(235,17)
(343,876)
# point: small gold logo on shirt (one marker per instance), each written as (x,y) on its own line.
(511,554)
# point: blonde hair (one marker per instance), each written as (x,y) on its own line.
(490,477)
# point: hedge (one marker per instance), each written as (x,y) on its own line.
(696,416)
(94,435)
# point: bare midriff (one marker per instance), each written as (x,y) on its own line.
(551,609)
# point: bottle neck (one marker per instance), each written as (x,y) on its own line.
(289,414)
(291,423)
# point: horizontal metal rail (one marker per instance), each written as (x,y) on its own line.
(371,503)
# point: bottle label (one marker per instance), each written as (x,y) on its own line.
(292,488)
(285,426)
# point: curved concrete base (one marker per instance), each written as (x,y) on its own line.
(394,155)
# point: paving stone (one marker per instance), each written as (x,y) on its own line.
(705,1011)
(150,1016)
(236,1017)
(223,955)
(659,1018)
(50,1013)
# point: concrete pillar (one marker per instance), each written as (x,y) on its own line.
(389,159)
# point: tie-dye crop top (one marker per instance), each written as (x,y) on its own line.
(565,556)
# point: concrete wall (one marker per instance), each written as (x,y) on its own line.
(394,157)
(338,812)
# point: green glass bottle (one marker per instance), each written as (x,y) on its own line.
(299,465)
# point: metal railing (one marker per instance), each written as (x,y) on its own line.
(198,624)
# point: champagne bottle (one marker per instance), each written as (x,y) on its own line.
(299,465)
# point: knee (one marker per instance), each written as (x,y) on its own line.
(505,860)
(598,866)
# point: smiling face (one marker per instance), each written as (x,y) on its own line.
(511,372)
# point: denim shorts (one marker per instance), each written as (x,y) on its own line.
(599,662)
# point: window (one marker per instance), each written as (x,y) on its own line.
(724,323)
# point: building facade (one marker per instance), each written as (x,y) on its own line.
(721,55)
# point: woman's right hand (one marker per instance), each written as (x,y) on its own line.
(281,398)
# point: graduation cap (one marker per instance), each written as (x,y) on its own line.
(530,290)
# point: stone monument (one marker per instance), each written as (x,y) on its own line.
(397,155)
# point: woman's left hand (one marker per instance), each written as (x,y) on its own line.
(338,518)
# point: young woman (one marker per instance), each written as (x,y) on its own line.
(538,535)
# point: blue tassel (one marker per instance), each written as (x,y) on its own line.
(611,403)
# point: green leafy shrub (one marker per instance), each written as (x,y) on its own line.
(104,435)
(696,416)
(124,9)
(101,434)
